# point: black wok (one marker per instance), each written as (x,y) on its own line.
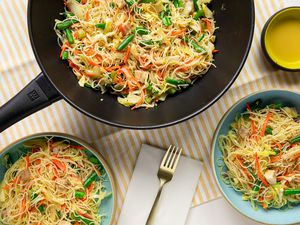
(235,19)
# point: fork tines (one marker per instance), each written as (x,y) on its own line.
(171,157)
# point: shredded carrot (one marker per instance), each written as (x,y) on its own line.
(77,147)
(259,174)
(208,24)
(215,51)
(127,55)
(240,160)
(63,49)
(90,188)
(76,52)
(265,124)
(23,205)
(159,74)
(296,156)
(90,52)
(92,63)
(16,180)
(55,174)
(278,157)
(142,99)
(113,68)
(6,187)
(183,69)
(129,76)
(178,32)
(40,203)
(264,205)
(60,165)
(85,215)
(83,1)
(27,161)
(76,35)
(98,57)
(87,16)
(122,29)
(252,122)
(37,161)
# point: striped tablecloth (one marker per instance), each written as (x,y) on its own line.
(121,147)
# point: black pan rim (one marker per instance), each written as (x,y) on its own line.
(144,127)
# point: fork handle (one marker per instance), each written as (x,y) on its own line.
(151,217)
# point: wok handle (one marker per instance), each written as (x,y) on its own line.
(38,94)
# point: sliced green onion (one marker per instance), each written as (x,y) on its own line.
(257,186)
(112,5)
(166,21)
(196,7)
(130,2)
(172,91)
(101,25)
(65,55)
(276,106)
(291,192)
(269,130)
(175,81)
(149,88)
(178,3)
(69,36)
(64,25)
(256,105)
(199,14)
(94,160)
(295,139)
(142,31)
(125,42)
(197,47)
(42,208)
(201,38)
(90,179)
(79,194)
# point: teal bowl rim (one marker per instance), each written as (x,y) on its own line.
(212,158)
(87,147)
(263,43)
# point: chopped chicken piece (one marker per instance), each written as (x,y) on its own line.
(243,133)
(270,176)
(24,176)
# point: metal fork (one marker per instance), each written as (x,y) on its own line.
(165,174)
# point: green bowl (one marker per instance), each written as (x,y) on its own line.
(270,216)
(17,150)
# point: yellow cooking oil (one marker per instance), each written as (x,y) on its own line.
(283,42)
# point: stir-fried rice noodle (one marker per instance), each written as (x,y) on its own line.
(167,55)
(261,153)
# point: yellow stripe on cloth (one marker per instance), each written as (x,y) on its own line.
(121,147)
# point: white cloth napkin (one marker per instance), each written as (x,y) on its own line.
(217,212)
(176,197)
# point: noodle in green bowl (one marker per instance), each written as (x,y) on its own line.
(54,178)
(255,156)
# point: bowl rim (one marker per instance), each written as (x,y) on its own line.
(87,146)
(214,139)
(263,36)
